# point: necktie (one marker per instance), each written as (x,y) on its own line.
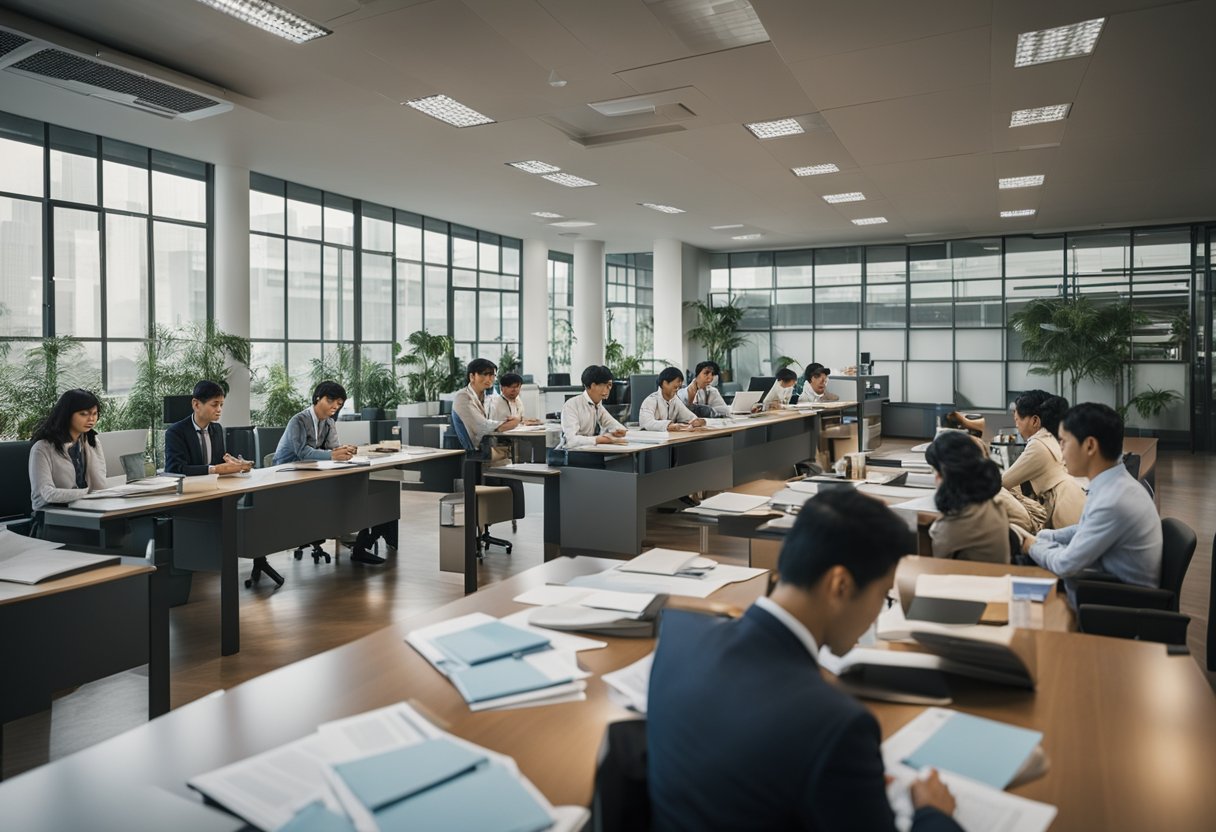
(595,415)
(202,446)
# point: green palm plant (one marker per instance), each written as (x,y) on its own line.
(30,386)
(435,369)
(280,398)
(336,364)
(717,329)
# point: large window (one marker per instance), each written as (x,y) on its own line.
(329,273)
(561,311)
(629,292)
(99,240)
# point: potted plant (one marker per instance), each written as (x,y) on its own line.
(508,362)
(379,388)
(717,331)
(433,371)
(30,386)
(280,399)
(561,344)
(337,364)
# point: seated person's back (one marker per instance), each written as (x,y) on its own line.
(744,733)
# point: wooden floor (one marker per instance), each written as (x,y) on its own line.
(323,606)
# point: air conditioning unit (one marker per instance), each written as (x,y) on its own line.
(34,51)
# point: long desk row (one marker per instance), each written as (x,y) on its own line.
(253,516)
(1130,732)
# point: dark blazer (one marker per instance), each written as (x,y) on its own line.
(743,733)
(183,454)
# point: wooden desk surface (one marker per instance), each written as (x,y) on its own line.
(11,593)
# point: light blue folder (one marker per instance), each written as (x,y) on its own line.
(977,748)
(383,779)
(316,818)
(489,641)
(1032,590)
(489,799)
(503,677)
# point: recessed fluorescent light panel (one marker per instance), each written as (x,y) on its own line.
(1020,212)
(270,18)
(1058,44)
(870,221)
(666,209)
(1010,182)
(546,215)
(775,129)
(569,180)
(449,110)
(851,196)
(815,170)
(1039,115)
(725,227)
(571,224)
(747,237)
(534,167)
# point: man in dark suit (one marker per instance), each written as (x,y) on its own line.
(195,445)
(743,731)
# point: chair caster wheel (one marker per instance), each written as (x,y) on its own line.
(328,559)
(248,583)
(299,553)
(508,550)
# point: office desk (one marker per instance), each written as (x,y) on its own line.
(248,517)
(1053,614)
(68,631)
(1131,732)
(606,489)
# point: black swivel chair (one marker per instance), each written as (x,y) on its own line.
(621,802)
(641,385)
(16,511)
(1111,608)
(559,380)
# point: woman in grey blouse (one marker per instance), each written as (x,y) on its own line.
(66,460)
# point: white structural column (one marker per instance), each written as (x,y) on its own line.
(231,230)
(535,346)
(668,302)
(588,306)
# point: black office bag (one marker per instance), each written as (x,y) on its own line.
(622,799)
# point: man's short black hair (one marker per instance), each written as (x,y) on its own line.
(1099,421)
(205,391)
(480,367)
(668,375)
(843,526)
(816,369)
(596,374)
(786,374)
(510,379)
(713,365)
(329,390)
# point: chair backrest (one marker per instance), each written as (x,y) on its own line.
(355,433)
(559,380)
(640,386)
(1177,547)
(265,441)
(761,384)
(1132,463)
(1125,622)
(1212,616)
(15,484)
(466,441)
(116,444)
(621,802)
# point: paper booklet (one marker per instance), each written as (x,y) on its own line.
(28,560)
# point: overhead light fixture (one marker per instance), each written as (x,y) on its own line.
(534,167)
(546,215)
(851,196)
(571,224)
(1020,212)
(870,221)
(569,180)
(1010,182)
(554,80)
(1039,115)
(815,170)
(725,227)
(448,110)
(775,129)
(270,18)
(1058,44)
(747,237)
(666,209)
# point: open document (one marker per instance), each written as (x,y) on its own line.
(691,578)
(28,560)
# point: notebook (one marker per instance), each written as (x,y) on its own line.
(383,779)
(490,799)
(661,561)
(977,748)
(489,641)
(503,677)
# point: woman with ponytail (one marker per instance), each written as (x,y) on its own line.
(1037,415)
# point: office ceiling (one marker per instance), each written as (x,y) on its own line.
(911,100)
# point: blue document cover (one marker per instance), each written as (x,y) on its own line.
(383,779)
(504,677)
(977,748)
(1032,590)
(489,641)
(490,799)
(316,818)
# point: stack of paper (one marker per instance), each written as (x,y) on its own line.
(620,579)
(385,769)
(732,502)
(495,664)
(990,590)
(600,612)
(646,437)
(528,429)
(140,488)
(660,561)
(630,686)
(28,560)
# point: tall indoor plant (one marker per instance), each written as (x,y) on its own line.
(717,330)
(432,370)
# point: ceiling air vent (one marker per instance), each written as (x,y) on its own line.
(119,79)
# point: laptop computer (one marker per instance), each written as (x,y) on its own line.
(744,401)
(133,466)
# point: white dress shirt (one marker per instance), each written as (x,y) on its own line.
(809,395)
(501,408)
(791,623)
(583,420)
(657,413)
(708,396)
(777,393)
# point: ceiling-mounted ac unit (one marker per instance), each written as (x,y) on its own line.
(33,51)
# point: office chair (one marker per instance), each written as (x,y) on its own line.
(559,380)
(1212,618)
(495,503)
(1132,463)
(16,510)
(621,802)
(641,385)
(761,384)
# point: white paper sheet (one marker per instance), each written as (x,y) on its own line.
(660,561)
(989,590)
(732,501)
(703,587)
(630,686)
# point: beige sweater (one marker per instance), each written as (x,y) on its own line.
(1042,465)
(53,478)
(981,530)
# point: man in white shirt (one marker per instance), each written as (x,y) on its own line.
(782,391)
(816,387)
(1120,530)
(701,391)
(472,408)
(662,409)
(508,405)
(585,422)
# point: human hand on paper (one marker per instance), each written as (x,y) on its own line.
(343,452)
(929,790)
(620,432)
(604,439)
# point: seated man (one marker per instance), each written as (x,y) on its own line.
(1120,530)
(662,409)
(782,391)
(475,412)
(508,405)
(312,434)
(743,731)
(195,445)
(701,396)
(815,389)
(584,419)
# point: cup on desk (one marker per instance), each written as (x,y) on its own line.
(855,465)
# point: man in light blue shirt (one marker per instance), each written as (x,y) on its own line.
(1120,530)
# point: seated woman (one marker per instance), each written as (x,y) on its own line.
(1037,415)
(66,460)
(976,511)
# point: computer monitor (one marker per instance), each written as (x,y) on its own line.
(176,408)
(761,384)
(559,379)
